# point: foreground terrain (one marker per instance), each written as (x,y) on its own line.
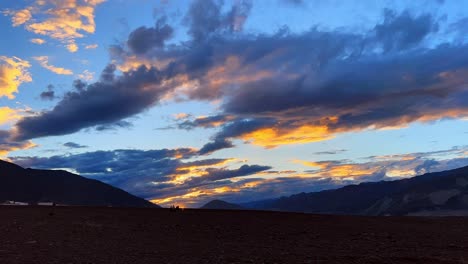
(113,235)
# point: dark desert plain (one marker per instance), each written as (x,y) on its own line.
(131,235)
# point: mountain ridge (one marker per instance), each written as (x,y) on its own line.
(430,192)
(61,187)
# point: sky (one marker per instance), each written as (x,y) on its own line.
(181,102)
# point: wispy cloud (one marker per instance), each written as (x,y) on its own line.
(91,46)
(44,62)
(37,41)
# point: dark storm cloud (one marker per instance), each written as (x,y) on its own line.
(215,145)
(49,94)
(144,39)
(101,103)
(402,31)
(74,145)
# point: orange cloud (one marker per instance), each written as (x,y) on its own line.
(64,20)
(190,197)
(72,47)
(273,137)
(19,17)
(5,149)
(8,114)
(185,172)
(335,169)
(13,72)
(44,62)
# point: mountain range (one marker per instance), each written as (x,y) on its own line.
(438,193)
(61,187)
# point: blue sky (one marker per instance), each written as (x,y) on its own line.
(187,101)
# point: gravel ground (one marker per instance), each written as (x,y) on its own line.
(120,235)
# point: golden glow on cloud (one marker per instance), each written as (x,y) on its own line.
(65,20)
(44,62)
(331,169)
(7,115)
(19,17)
(72,47)
(273,137)
(188,171)
(27,145)
(13,72)
(194,193)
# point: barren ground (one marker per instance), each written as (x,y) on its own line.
(111,235)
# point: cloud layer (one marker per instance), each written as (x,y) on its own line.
(283,88)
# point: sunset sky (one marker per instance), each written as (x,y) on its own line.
(182,102)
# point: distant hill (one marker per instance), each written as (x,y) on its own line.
(440,193)
(221,205)
(61,187)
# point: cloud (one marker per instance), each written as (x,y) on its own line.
(8,145)
(8,115)
(72,47)
(86,75)
(44,62)
(205,18)
(202,121)
(49,94)
(215,145)
(64,21)
(91,46)
(401,31)
(102,103)
(143,39)
(293,2)
(74,145)
(19,17)
(330,152)
(13,72)
(37,41)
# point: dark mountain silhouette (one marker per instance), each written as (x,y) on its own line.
(61,187)
(439,193)
(221,205)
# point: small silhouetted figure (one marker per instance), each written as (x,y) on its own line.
(53,209)
(174,208)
